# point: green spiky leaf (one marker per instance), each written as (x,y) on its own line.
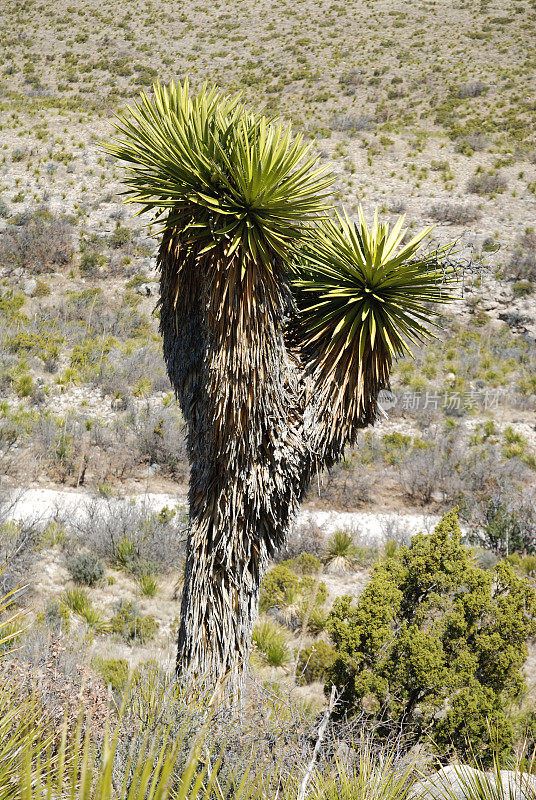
(218,173)
(365,295)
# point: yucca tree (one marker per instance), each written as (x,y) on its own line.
(279,328)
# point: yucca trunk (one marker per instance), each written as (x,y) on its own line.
(226,357)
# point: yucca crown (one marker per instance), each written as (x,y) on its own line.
(225,176)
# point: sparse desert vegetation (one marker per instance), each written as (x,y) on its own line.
(439,127)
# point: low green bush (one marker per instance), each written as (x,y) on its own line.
(314,663)
(86,568)
(113,671)
(56,616)
(281,588)
(121,236)
(436,643)
(522,288)
(131,625)
(304,564)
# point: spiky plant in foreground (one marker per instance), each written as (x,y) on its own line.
(270,391)
(341,552)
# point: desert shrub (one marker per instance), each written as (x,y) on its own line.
(304,537)
(56,616)
(515,318)
(485,558)
(486,183)
(395,446)
(56,441)
(281,588)
(395,532)
(346,484)
(37,241)
(121,236)
(455,213)
(314,663)
(422,472)
(131,625)
(527,565)
(522,264)
(522,288)
(304,564)
(131,535)
(352,77)
(11,303)
(90,262)
(88,356)
(467,145)
(351,123)
(127,367)
(81,305)
(17,549)
(146,74)
(472,89)
(502,522)
(113,671)
(159,437)
(23,385)
(86,568)
(39,337)
(397,206)
(407,652)
(527,385)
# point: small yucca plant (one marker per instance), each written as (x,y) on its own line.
(11,626)
(341,552)
(148,584)
(272,643)
(78,601)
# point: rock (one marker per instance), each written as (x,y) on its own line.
(461,782)
(147,289)
(29,287)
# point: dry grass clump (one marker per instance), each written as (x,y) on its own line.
(486,183)
(455,213)
(37,241)
(522,264)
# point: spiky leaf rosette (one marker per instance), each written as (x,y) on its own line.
(365,296)
(224,176)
